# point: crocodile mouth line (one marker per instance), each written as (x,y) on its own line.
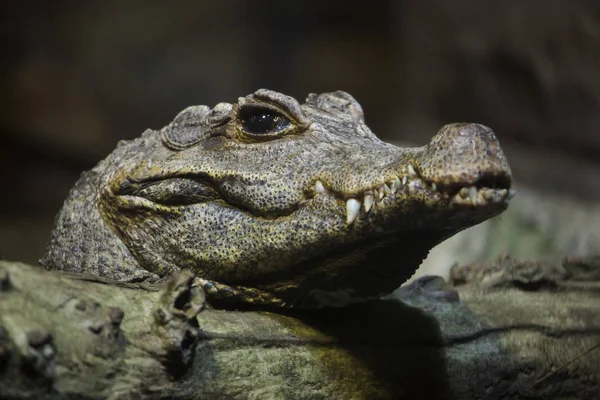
(484,192)
(479,194)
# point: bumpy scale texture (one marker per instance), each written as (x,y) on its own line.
(269,201)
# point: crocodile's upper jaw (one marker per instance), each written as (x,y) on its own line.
(270,201)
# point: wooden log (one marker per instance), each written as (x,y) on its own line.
(75,336)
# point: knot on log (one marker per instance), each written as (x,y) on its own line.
(107,323)
(175,321)
(104,322)
(27,363)
(38,353)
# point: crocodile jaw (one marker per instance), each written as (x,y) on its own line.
(378,197)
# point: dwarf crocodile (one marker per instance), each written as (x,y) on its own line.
(269,201)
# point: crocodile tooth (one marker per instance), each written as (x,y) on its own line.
(511,194)
(380,193)
(319,188)
(386,189)
(352,209)
(368,202)
(412,187)
(411,171)
(488,194)
(396,185)
(434,187)
(497,198)
(404,180)
(473,195)
(464,192)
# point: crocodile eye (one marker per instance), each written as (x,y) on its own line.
(262,121)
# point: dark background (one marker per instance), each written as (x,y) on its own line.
(78,76)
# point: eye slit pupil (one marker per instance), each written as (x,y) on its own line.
(259,121)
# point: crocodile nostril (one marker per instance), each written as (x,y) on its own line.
(465,153)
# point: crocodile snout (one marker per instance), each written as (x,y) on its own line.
(465,153)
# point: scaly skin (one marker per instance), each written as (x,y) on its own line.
(271,202)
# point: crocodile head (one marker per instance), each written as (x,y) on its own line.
(274,202)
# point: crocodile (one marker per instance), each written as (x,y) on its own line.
(270,202)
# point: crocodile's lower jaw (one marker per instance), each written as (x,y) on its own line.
(349,274)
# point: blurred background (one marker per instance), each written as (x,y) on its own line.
(76,77)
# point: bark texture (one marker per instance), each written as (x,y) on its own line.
(74,336)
